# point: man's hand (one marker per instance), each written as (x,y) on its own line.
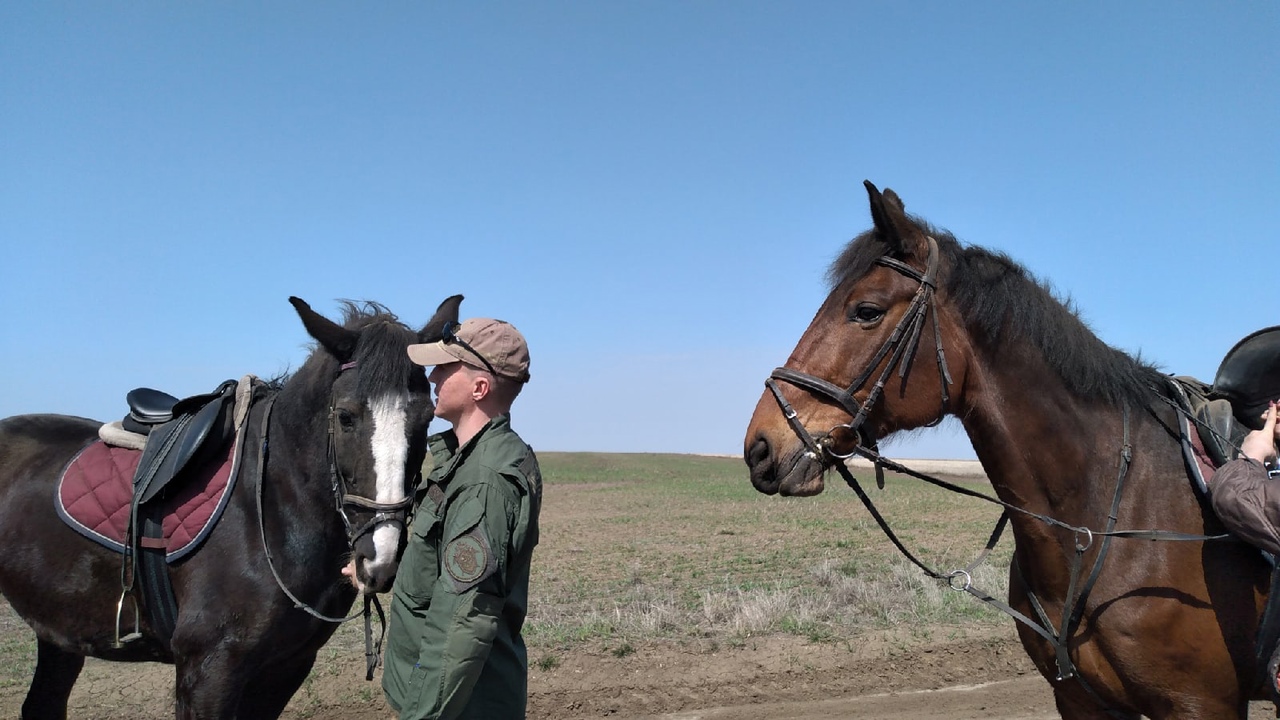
(1261,444)
(349,572)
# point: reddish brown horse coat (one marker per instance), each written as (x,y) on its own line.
(1167,631)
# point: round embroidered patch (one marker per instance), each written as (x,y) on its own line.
(465,559)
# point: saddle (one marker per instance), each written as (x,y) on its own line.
(1211,434)
(181,437)
(1218,416)
(1249,376)
(180,433)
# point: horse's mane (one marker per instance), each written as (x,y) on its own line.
(1000,299)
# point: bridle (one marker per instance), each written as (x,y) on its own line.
(392,512)
(900,348)
(395,512)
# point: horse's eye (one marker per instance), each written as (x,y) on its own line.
(346,420)
(865,313)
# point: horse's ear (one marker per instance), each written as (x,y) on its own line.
(338,340)
(446,313)
(889,214)
(892,197)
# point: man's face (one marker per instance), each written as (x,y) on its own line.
(453,385)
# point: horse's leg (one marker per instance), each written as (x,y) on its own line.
(209,685)
(1071,707)
(267,695)
(56,673)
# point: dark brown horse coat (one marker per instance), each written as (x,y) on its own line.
(349,424)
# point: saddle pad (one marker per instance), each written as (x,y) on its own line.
(1199,464)
(96,490)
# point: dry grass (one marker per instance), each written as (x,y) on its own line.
(637,547)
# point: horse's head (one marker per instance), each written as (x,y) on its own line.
(869,364)
(379,406)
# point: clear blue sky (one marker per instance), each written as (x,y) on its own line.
(651,191)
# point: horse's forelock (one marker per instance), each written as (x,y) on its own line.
(380,354)
(855,260)
(860,255)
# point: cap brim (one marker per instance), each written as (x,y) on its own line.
(428,354)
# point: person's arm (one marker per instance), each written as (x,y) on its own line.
(1243,496)
(466,603)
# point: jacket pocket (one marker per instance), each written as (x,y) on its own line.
(420,565)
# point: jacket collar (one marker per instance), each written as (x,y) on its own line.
(456,454)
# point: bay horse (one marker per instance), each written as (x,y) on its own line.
(335,446)
(918,326)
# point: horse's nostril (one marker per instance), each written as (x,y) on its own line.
(381,577)
(758,452)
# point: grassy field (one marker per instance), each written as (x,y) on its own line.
(639,546)
(638,549)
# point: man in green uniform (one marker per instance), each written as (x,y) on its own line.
(454,648)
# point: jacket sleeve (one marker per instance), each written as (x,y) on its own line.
(1248,503)
(466,602)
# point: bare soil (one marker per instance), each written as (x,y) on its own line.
(773,677)
(890,676)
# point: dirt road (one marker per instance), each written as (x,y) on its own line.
(1023,698)
(887,677)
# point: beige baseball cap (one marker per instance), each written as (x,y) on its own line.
(494,345)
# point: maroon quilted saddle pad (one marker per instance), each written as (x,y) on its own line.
(96,490)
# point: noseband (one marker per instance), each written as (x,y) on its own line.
(383,512)
(900,348)
(393,512)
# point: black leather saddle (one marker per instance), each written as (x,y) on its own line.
(181,434)
(1224,412)
(1249,376)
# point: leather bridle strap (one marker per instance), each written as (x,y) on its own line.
(262,525)
(393,512)
(900,348)
(373,649)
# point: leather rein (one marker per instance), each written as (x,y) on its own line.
(394,512)
(900,348)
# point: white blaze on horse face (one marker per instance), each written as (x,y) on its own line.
(390,452)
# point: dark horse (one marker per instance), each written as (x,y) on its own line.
(918,326)
(347,430)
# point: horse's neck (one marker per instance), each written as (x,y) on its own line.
(297,466)
(1044,448)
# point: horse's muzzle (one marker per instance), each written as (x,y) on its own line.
(795,473)
(373,576)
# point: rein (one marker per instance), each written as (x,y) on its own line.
(900,347)
(384,512)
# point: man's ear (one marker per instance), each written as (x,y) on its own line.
(481,386)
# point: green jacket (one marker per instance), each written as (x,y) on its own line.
(454,648)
